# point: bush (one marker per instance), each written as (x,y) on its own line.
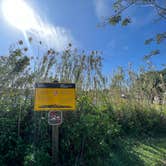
(37,157)
(87,138)
(12,149)
(139,120)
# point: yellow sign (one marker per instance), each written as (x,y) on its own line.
(54,97)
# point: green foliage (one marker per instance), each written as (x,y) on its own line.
(37,157)
(148,41)
(141,121)
(150,84)
(152,53)
(88,136)
(160,37)
(120,6)
(117,17)
(126,21)
(12,148)
(93,134)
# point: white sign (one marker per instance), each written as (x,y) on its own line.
(54,117)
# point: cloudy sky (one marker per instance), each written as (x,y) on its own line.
(59,22)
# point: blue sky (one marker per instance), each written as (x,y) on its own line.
(76,21)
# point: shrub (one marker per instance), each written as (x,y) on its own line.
(87,138)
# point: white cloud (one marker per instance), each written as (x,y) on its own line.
(32,24)
(52,36)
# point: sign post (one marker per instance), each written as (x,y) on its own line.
(55,98)
(55,145)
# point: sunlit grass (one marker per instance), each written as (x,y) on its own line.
(151,151)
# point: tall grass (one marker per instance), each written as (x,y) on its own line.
(107,111)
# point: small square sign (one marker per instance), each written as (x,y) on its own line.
(55,118)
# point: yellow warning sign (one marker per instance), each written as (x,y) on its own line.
(54,97)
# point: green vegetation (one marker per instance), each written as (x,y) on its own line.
(140,151)
(152,151)
(107,128)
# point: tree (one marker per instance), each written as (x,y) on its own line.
(119,6)
(150,84)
